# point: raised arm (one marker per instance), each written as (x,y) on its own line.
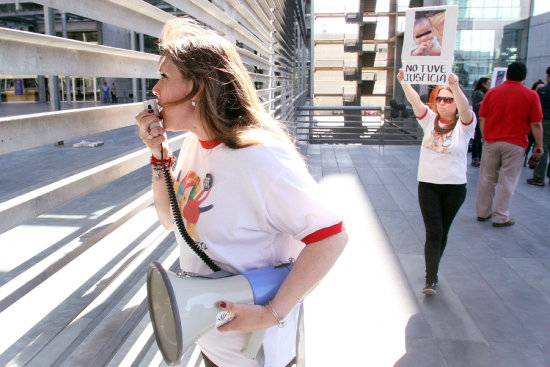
(153,138)
(464,110)
(414,99)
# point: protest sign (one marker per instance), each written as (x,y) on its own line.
(428,46)
(499,76)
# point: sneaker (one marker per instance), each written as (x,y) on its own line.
(532,181)
(430,288)
(510,222)
(483,219)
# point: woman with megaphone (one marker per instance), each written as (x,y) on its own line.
(241,188)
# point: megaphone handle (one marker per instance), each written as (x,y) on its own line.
(255,340)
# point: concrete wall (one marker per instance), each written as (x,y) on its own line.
(538,51)
(118,37)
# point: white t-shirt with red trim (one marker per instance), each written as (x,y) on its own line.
(261,209)
(444,157)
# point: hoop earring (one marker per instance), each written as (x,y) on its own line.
(193,103)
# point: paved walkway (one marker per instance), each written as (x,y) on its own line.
(492,310)
(493,304)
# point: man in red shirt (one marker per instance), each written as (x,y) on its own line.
(507,113)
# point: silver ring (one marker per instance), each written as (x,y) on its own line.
(150,137)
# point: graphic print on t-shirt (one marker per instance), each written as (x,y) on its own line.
(190,195)
(439,142)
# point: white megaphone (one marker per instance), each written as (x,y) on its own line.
(184,306)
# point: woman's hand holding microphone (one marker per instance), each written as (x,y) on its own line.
(151,131)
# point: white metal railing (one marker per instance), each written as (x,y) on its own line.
(28,131)
(40,54)
(22,208)
(135,15)
(356,125)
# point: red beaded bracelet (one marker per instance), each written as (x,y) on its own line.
(169,161)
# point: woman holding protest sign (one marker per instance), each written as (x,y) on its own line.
(442,166)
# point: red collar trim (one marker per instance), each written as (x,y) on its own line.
(209,144)
(443,121)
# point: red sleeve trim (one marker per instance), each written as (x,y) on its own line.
(466,124)
(424,115)
(323,233)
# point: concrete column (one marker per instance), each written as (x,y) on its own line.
(134,80)
(64,34)
(73,87)
(62,90)
(143,86)
(41,88)
(53,82)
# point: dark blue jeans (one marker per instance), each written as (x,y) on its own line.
(439,205)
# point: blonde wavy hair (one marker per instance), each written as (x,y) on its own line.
(228,105)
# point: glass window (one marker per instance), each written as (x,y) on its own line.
(482,41)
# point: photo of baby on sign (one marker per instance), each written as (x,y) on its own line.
(428,33)
(428,47)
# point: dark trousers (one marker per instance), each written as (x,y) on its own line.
(477,144)
(538,175)
(439,205)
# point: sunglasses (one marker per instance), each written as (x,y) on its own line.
(446,100)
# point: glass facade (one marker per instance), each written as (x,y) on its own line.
(490,33)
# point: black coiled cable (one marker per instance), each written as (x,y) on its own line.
(179,220)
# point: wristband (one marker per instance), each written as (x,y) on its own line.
(280,322)
(157,165)
(169,161)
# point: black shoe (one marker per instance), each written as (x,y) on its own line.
(482,219)
(532,181)
(510,222)
(430,288)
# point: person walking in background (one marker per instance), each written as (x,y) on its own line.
(482,86)
(105,89)
(442,166)
(531,140)
(507,113)
(433,94)
(544,95)
(113,93)
(538,84)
